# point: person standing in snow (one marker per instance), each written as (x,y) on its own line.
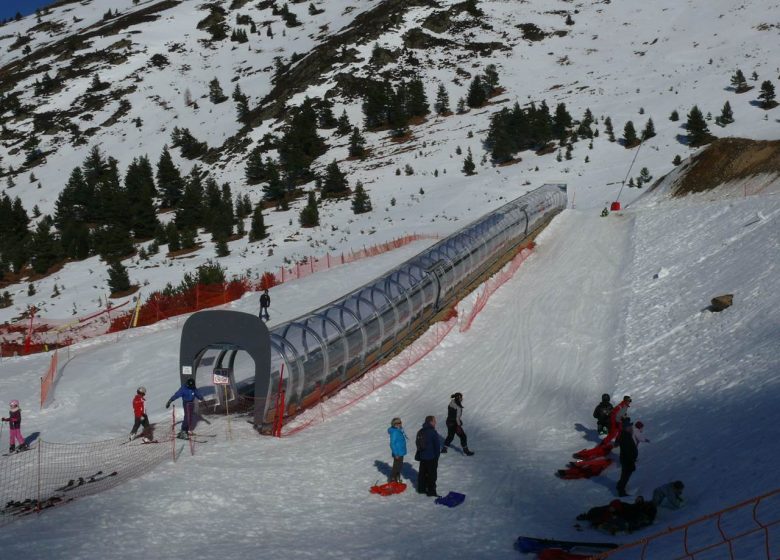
(639,436)
(428,454)
(455,424)
(397,448)
(188,393)
(616,419)
(15,425)
(629,453)
(265,303)
(601,414)
(669,495)
(139,412)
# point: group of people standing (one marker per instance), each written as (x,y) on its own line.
(428,444)
(615,424)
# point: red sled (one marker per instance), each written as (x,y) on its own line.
(601,450)
(584,469)
(388,489)
(560,554)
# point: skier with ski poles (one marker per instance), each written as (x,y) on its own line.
(188,393)
(15,425)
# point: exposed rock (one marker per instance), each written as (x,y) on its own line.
(416,38)
(720,303)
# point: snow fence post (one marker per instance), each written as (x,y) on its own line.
(40,450)
(173,432)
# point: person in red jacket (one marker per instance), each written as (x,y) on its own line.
(616,419)
(139,411)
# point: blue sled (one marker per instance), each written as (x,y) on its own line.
(451,500)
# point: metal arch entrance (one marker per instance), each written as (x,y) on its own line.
(228,330)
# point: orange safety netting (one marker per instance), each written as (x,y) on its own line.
(745,530)
(42,335)
(493,284)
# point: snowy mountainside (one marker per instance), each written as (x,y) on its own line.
(624,60)
(623,315)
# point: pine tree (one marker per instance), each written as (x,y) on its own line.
(561,122)
(310,214)
(169,180)
(468,164)
(173,238)
(644,174)
(335,182)
(242,105)
(357,144)
(417,101)
(677,160)
(221,248)
(649,130)
(118,278)
(397,114)
(490,79)
(460,108)
(674,116)
(738,82)
(190,210)
(629,135)
(274,190)
(476,96)
(609,130)
(361,203)
(44,247)
(343,127)
(300,144)
(767,95)
(139,185)
(698,132)
(326,117)
(216,95)
(442,105)
(257,229)
(726,115)
(255,171)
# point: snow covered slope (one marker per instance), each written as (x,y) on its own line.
(604,304)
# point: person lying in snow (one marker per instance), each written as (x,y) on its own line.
(620,516)
(669,495)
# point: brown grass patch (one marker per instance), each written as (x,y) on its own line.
(729,159)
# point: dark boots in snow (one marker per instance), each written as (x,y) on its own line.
(467,451)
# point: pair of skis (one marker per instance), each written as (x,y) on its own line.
(81,481)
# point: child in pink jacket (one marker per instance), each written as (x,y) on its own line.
(15,423)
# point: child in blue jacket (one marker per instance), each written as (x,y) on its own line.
(188,393)
(397,448)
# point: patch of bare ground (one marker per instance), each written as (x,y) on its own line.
(729,159)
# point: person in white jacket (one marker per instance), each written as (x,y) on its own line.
(669,495)
(639,435)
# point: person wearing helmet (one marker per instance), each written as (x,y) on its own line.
(188,393)
(139,411)
(455,424)
(15,424)
(601,414)
(616,419)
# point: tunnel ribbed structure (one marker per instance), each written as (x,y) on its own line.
(316,354)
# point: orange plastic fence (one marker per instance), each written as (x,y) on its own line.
(48,380)
(740,531)
(42,335)
(329,406)
(493,284)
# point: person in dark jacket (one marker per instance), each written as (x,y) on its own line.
(265,303)
(428,451)
(601,414)
(629,452)
(188,393)
(139,413)
(15,425)
(397,448)
(455,424)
